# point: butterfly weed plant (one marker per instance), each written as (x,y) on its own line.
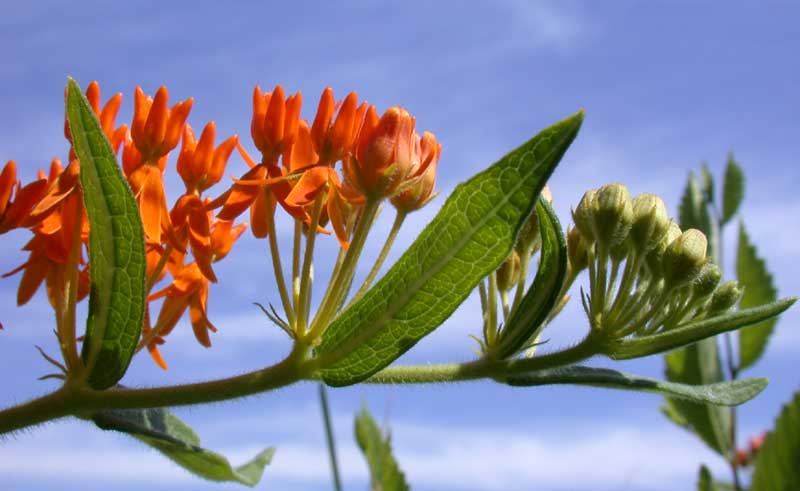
(652,286)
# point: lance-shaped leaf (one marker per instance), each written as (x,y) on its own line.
(723,393)
(691,332)
(116,249)
(693,210)
(540,299)
(163,431)
(699,364)
(704,480)
(384,472)
(472,234)
(707,184)
(778,462)
(753,276)
(732,190)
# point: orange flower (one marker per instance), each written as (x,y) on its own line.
(199,164)
(334,141)
(275,121)
(146,181)
(107,116)
(276,129)
(383,153)
(12,213)
(156,129)
(189,290)
(417,191)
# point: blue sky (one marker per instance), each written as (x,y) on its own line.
(665,85)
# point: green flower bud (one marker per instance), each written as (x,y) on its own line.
(650,222)
(508,272)
(582,216)
(619,252)
(613,214)
(654,257)
(577,250)
(707,281)
(725,297)
(684,258)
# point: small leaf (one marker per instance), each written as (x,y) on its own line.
(759,289)
(704,480)
(777,466)
(627,348)
(699,364)
(540,299)
(708,184)
(472,234)
(385,473)
(163,431)
(723,393)
(116,249)
(732,190)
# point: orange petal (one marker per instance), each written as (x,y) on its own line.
(336,212)
(323,118)
(311,183)
(262,212)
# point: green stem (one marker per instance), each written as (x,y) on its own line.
(398,222)
(329,440)
(337,290)
(75,400)
(485,367)
(304,304)
(298,232)
(277,268)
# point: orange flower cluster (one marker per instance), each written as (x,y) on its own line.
(382,158)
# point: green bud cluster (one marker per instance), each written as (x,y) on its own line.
(645,274)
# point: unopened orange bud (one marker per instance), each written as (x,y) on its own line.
(384,153)
(418,189)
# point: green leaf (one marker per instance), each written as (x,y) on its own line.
(723,393)
(163,431)
(472,234)
(116,249)
(732,190)
(708,184)
(528,319)
(759,289)
(704,480)
(692,332)
(385,473)
(699,364)
(777,466)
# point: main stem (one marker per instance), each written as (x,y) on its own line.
(74,400)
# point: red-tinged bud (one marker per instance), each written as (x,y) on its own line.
(418,189)
(384,153)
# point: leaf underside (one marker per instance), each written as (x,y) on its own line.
(163,431)
(724,393)
(472,234)
(116,249)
